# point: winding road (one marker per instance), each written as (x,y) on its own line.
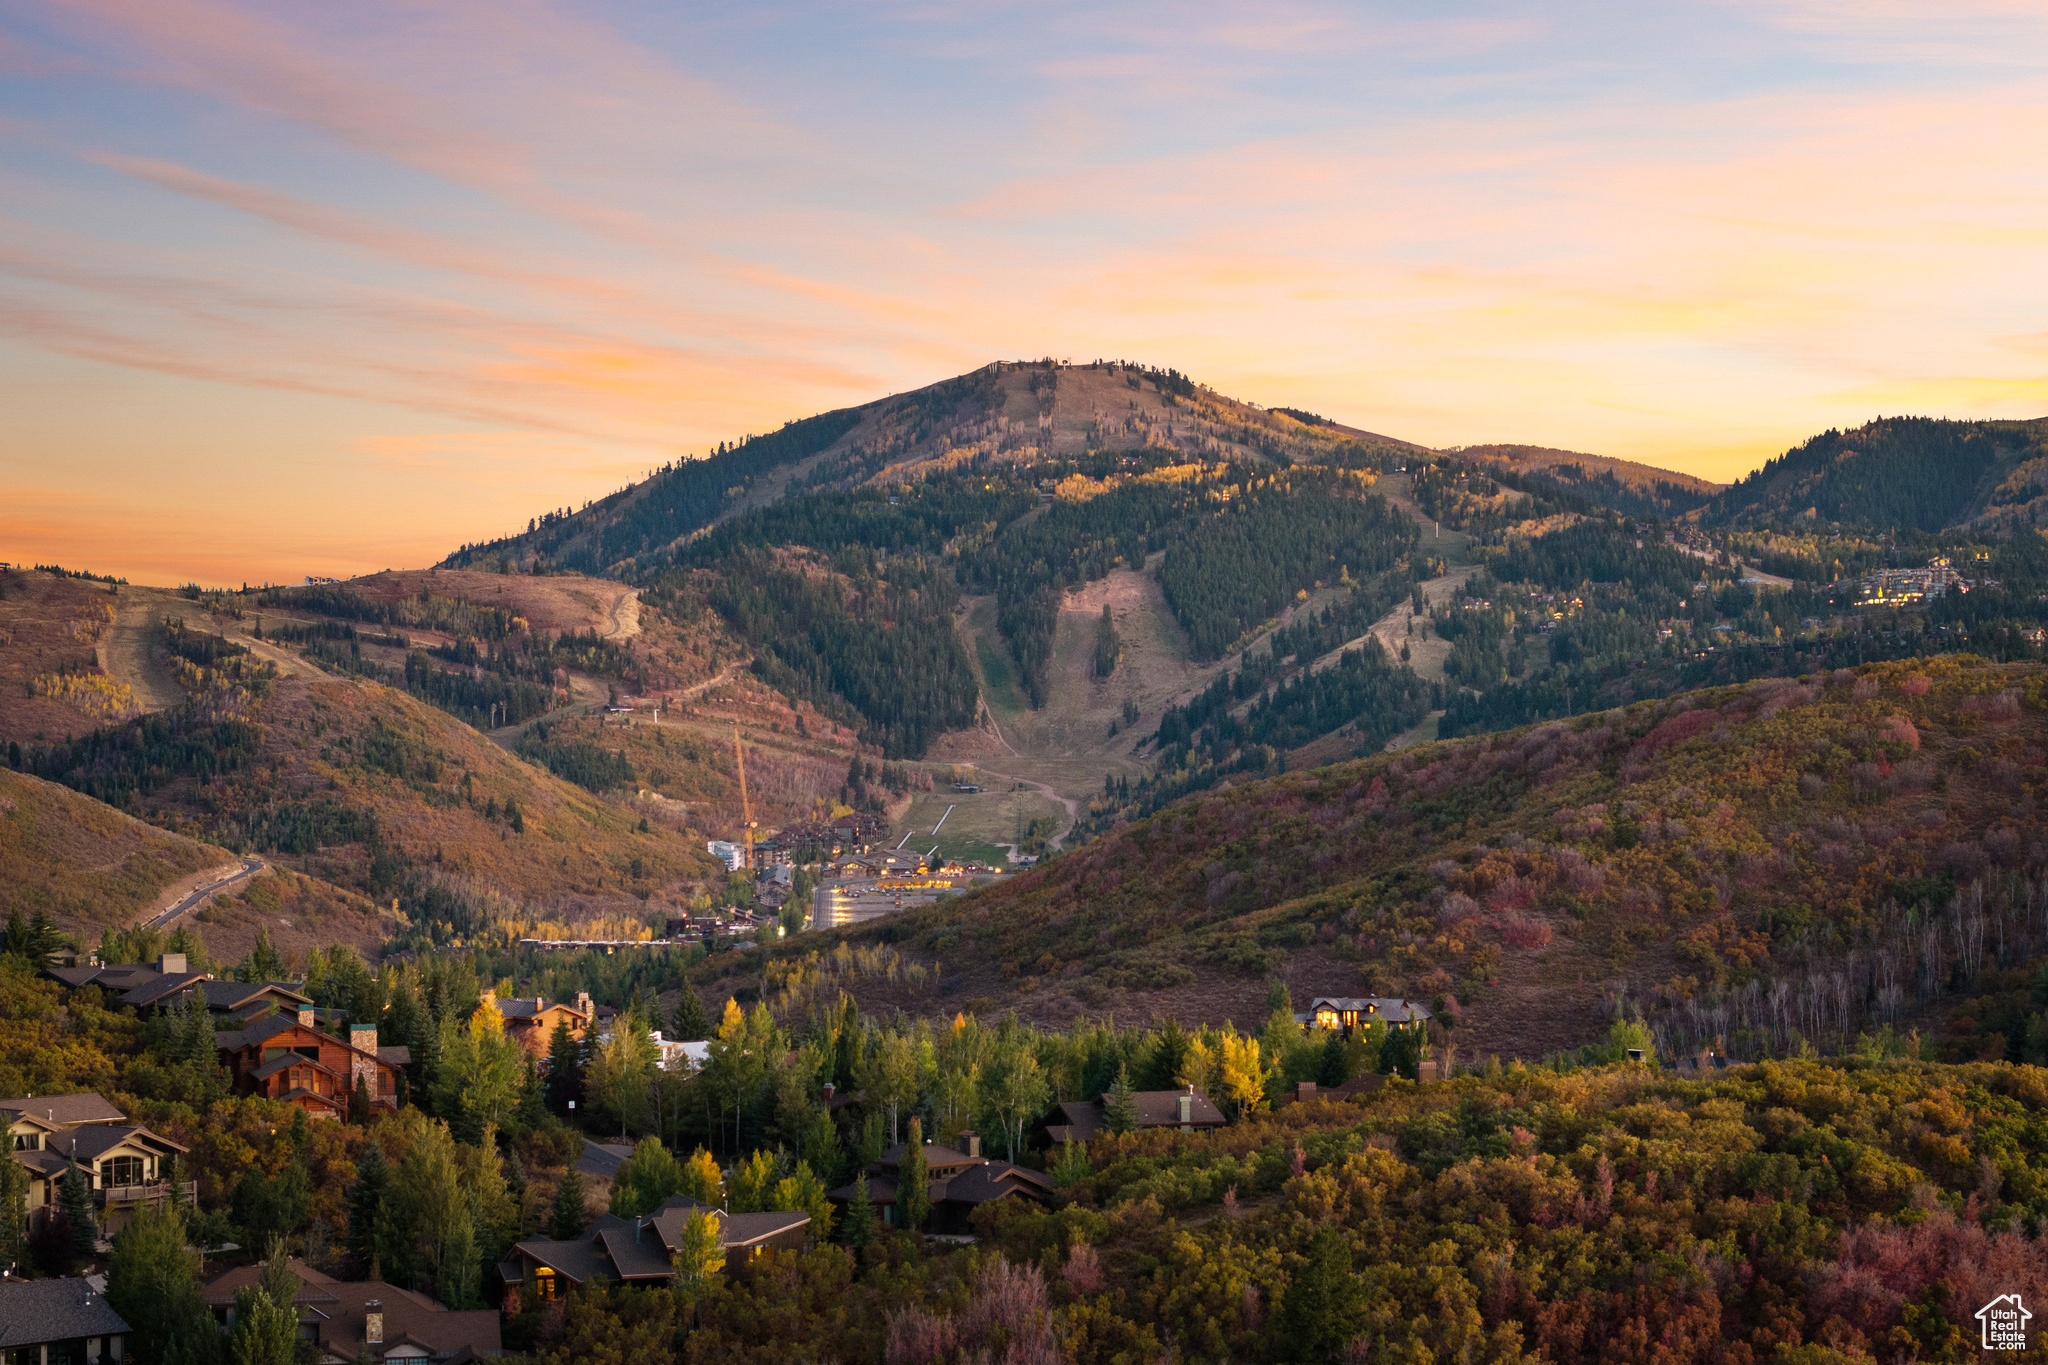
(249,868)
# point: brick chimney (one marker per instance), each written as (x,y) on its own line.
(172,964)
(970,1143)
(1304,1090)
(830,1090)
(373,1323)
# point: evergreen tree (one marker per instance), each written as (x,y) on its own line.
(185,939)
(264,962)
(174,1177)
(846,1047)
(359,1102)
(1120,1104)
(565,1069)
(17,934)
(913,1184)
(150,1283)
(74,1203)
(532,1109)
(860,1214)
(13,1214)
(565,1215)
(691,1025)
(1319,1309)
(266,1320)
(1333,1068)
(425,1070)
(365,1208)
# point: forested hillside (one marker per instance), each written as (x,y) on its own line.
(1794,859)
(1920,473)
(364,787)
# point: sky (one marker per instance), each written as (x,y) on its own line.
(303,288)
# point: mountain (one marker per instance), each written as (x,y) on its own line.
(1011,412)
(1860,846)
(344,747)
(1633,489)
(1918,473)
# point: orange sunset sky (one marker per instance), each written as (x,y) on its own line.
(301,288)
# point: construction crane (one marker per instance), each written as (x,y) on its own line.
(746,810)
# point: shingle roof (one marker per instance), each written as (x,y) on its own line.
(1161,1109)
(149,992)
(635,1257)
(290,1059)
(398,1054)
(90,1143)
(255,1033)
(338,1310)
(1381,1007)
(937,1156)
(227,995)
(66,1109)
(33,1312)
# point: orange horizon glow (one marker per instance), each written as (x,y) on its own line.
(286,293)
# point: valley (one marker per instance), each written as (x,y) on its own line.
(1101,593)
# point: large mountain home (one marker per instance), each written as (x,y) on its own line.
(284,1057)
(1353,1012)
(124,1165)
(152,990)
(1188,1110)
(959,1183)
(531,1023)
(45,1322)
(348,1321)
(640,1250)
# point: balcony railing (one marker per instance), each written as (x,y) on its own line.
(118,1195)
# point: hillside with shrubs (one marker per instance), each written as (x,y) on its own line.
(1765,869)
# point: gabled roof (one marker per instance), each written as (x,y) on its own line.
(260,1032)
(276,1024)
(90,1144)
(340,1309)
(169,983)
(937,1157)
(230,995)
(66,1110)
(35,1312)
(1380,1007)
(290,1059)
(398,1054)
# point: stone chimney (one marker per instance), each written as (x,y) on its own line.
(970,1143)
(583,1004)
(373,1323)
(172,964)
(830,1091)
(306,1017)
(363,1037)
(1187,1106)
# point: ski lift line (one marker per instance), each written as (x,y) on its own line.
(942,820)
(904,840)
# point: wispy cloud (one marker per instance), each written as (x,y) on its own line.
(544,247)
